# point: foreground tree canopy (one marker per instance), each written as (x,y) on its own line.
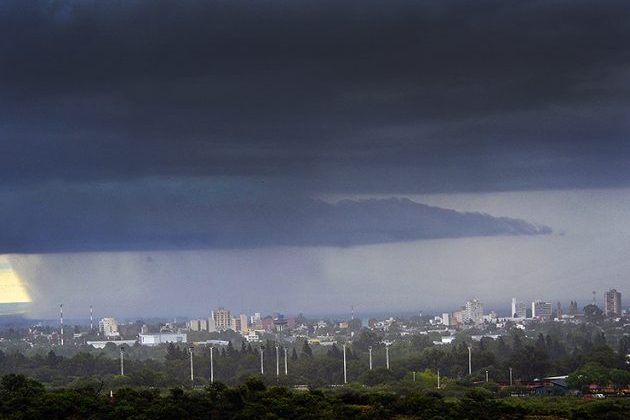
(23,398)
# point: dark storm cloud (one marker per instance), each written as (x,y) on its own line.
(183,214)
(334,96)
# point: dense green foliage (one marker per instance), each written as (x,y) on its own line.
(579,350)
(22,398)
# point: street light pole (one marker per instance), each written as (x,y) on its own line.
(211,365)
(122,361)
(345,372)
(192,374)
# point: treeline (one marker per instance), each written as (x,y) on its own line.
(22,398)
(593,361)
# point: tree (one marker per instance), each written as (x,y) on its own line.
(530,362)
(354,325)
(365,340)
(620,378)
(306,349)
(624,345)
(52,360)
(173,352)
(421,342)
(593,313)
(591,373)
(334,352)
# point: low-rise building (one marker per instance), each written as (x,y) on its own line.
(252,337)
(102,343)
(162,338)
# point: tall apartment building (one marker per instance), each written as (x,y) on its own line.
(446,319)
(612,303)
(519,309)
(473,312)
(222,319)
(542,310)
(108,327)
(235,324)
(197,325)
(244,324)
(212,327)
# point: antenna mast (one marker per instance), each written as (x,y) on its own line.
(61,322)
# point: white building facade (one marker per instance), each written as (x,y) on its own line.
(473,312)
(162,338)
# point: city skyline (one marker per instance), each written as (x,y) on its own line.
(222,317)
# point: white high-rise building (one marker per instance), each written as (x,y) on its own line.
(519,309)
(473,312)
(108,327)
(212,327)
(446,319)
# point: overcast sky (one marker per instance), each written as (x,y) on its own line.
(147,113)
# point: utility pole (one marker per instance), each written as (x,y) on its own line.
(469,360)
(387,355)
(370,350)
(262,360)
(122,361)
(345,372)
(286,362)
(192,375)
(211,365)
(510,376)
